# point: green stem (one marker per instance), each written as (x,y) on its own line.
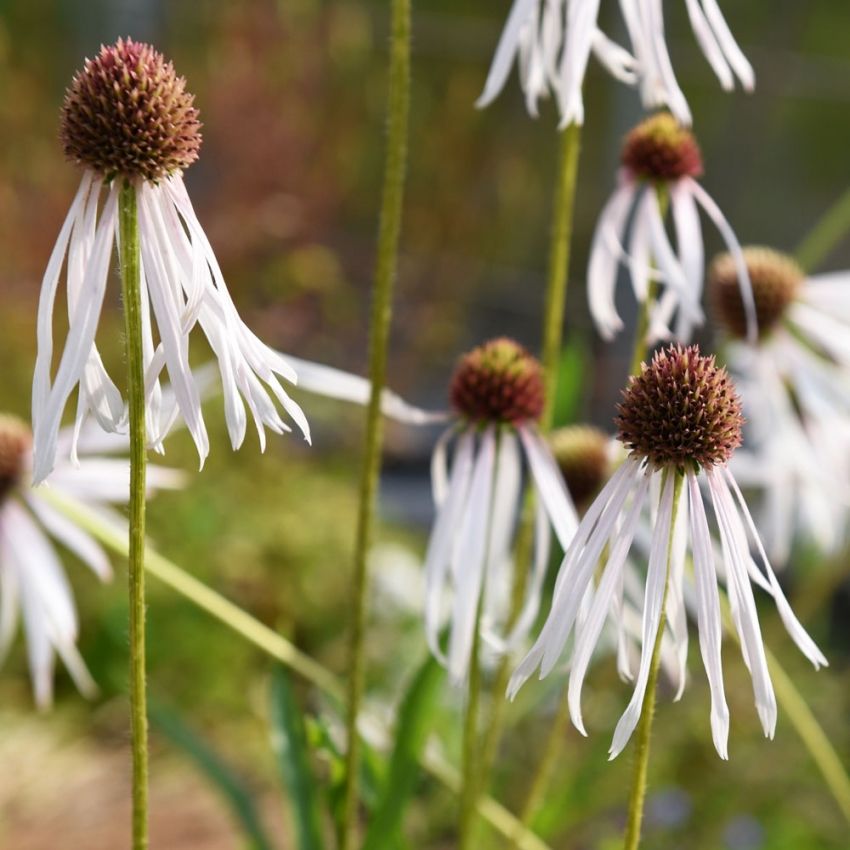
(131,287)
(275,646)
(563,207)
(387,260)
(559,264)
(470,761)
(644,729)
(829,230)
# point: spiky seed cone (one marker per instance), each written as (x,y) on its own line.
(498,382)
(661,150)
(15,443)
(776,280)
(128,114)
(583,455)
(682,411)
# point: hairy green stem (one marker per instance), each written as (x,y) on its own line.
(275,646)
(471,758)
(828,231)
(387,261)
(559,264)
(128,224)
(644,730)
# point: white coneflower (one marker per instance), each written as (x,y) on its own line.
(32,580)
(659,157)
(658,84)
(551,41)
(795,384)
(498,394)
(127,117)
(681,420)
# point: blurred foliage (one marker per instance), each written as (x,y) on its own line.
(292,95)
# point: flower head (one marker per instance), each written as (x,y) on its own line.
(796,391)
(32,581)
(681,420)
(776,280)
(498,382)
(661,161)
(662,150)
(497,393)
(583,454)
(128,118)
(680,411)
(128,113)
(15,444)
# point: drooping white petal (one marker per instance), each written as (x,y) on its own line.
(506,51)
(656,580)
(792,624)
(469,558)
(744,613)
(734,247)
(575,573)
(603,265)
(438,555)
(618,61)
(690,247)
(708,43)
(675,607)
(70,535)
(550,485)
(611,580)
(47,412)
(727,42)
(708,617)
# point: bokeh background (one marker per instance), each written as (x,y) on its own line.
(292,95)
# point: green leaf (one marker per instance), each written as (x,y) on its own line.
(415,720)
(217,771)
(289,741)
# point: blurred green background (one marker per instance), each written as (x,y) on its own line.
(292,96)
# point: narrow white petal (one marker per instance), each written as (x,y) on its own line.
(656,579)
(730,47)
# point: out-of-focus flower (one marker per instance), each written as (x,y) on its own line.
(32,580)
(128,119)
(497,393)
(660,163)
(551,42)
(795,385)
(681,420)
(658,84)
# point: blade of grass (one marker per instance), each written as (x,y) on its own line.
(415,720)
(289,742)
(217,771)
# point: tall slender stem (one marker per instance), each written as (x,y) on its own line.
(471,757)
(647,713)
(554,306)
(559,263)
(131,289)
(387,260)
(826,234)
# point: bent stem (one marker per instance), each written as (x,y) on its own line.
(279,648)
(644,729)
(385,272)
(129,250)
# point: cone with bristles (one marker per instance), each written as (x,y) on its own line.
(681,411)
(498,382)
(660,149)
(776,279)
(15,443)
(128,113)
(583,454)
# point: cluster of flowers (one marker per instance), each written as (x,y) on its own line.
(613,504)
